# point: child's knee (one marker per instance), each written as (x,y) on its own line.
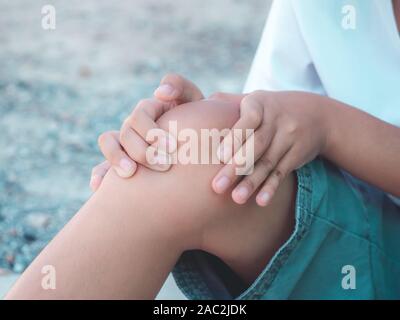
(188,183)
(203,114)
(200,209)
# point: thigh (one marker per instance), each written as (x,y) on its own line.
(125,240)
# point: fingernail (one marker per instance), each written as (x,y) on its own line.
(242,193)
(263,198)
(125,169)
(94,182)
(222,184)
(164,90)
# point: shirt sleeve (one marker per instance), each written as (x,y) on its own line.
(282,60)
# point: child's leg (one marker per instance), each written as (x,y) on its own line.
(127,237)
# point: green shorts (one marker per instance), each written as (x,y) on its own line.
(345,246)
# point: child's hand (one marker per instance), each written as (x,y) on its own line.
(290,131)
(122,149)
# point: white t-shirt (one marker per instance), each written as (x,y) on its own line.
(305,47)
(348,50)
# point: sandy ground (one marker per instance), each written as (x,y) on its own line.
(59,89)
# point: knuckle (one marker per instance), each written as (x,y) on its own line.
(230,171)
(172,77)
(250,109)
(133,119)
(266,163)
(124,136)
(253,114)
(246,101)
(125,123)
(266,99)
(102,138)
(279,174)
(291,126)
(94,170)
(260,141)
(115,158)
(142,103)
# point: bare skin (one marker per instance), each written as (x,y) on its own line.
(396,10)
(125,240)
(130,215)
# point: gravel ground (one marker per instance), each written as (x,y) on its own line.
(59,89)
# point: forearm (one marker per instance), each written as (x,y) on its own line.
(363,145)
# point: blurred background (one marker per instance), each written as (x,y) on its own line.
(59,89)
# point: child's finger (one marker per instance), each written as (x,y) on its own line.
(243,160)
(225,178)
(113,152)
(98,173)
(139,150)
(230,174)
(255,146)
(143,121)
(278,174)
(174,87)
(250,183)
(251,117)
(269,150)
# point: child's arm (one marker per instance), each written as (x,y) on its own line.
(363,145)
(292,128)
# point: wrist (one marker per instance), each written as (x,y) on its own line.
(327,117)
